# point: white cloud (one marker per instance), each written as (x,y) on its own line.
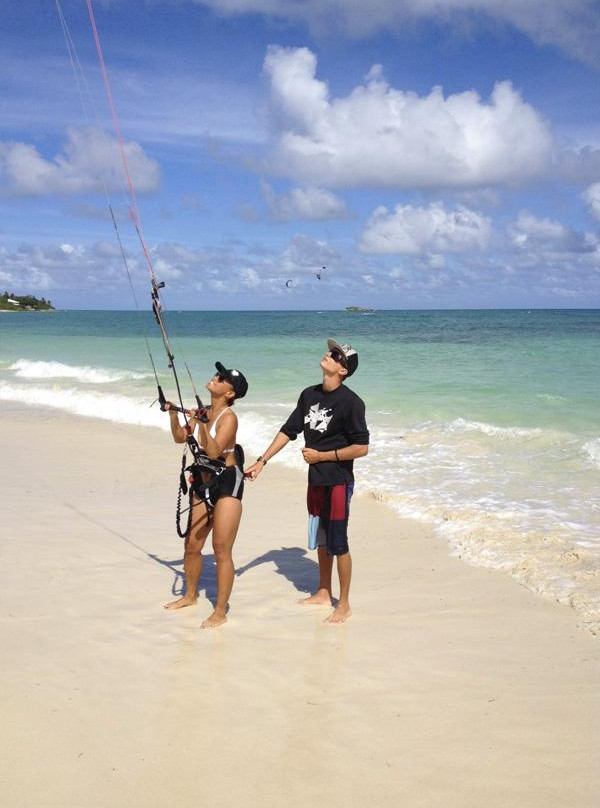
(165,269)
(592,197)
(578,164)
(305,256)
(242,276)
(569,24)
(55,266)
(397,272)
(479,197)
(381,136)
(311,204)
(434,262)
(26,280)
(249,277)
(108,249)
(90,160)
(413,230)
(529,229)
(97,270)
(531,233)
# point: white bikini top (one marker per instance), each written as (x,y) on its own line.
(213,430)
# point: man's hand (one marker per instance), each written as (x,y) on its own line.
(311,456)
(252,472)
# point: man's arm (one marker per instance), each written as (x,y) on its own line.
(280,440)
(289,431)
(346,453)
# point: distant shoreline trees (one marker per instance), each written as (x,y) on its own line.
(12,302)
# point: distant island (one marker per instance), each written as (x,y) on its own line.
(11,302)
(358,308)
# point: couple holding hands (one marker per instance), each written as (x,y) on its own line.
(332,418)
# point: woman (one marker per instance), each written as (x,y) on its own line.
(216,501)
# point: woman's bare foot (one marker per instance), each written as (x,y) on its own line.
(339,615)
(186,600)
(320,598)
(216,619)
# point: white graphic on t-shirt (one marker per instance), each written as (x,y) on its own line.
(318,419)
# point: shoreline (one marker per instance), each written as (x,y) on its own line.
(451,685)
(571,582)
(21,311)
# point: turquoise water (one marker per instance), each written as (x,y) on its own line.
(484,423)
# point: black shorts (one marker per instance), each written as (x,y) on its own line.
(229,483)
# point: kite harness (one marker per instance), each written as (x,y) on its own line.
(209,480)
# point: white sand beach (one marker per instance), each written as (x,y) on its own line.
(450,686)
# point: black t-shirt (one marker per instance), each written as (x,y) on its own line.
(329,421)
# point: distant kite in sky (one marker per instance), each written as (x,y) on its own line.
(291,282)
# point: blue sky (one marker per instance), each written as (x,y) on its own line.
(428,153)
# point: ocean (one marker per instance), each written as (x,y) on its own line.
(484,424)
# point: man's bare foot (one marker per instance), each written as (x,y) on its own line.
(186,600)
(216,619)
(320,598)
(339,615)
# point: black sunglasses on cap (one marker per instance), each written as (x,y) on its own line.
(338,357)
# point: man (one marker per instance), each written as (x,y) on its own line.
(332,418)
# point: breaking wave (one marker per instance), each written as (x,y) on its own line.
(90,404)
(545,557)
(592,450)
(28,369)
(462,425)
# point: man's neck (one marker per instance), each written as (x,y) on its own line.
(331,383)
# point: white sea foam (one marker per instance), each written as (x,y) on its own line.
(592,450)
(91,404)
(496,504)
(463,425)
(257,430)
(28,369)
(281,406)
(552,397)
(538,552)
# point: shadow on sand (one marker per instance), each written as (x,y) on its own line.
(208,583)
(291,562)
(208,579)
